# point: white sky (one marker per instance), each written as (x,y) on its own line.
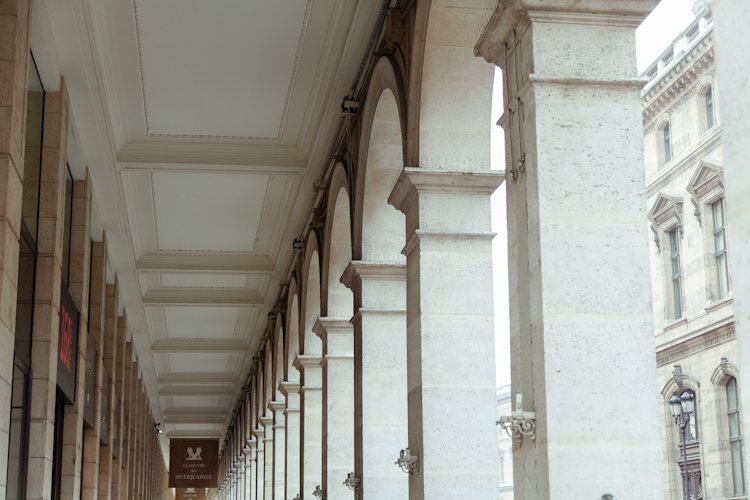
(658,31)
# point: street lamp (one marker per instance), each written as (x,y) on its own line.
(682,408)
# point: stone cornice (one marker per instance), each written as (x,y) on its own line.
(672,85)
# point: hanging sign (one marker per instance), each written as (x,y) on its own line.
(194,463)
(67,346)
(190,493)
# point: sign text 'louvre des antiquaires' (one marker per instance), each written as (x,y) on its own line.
(190,494)
(67,345)
(194,463)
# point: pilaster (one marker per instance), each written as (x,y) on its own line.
(109,350)
(47,295)
(260,462)
(291,392)
(279,447)
(578,247)
(268,483)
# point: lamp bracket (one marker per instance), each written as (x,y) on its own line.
(520,423)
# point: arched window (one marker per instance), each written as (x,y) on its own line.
(667,143)
(709,108)
(735,436)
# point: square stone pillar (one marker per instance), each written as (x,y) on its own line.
(91,437)
(582,345)
(79,280)
(249,452)
(260,463)
(267,423)
(44,345)
(291,392)
(109,357)
(732,25)
(381,402)
(117,422)
(279,448)
(127,419)
(337,335)
(450,332)
(311,422)
(15,20)
(135,402)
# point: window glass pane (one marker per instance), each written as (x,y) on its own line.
(677,299)
(719,241)
(739,487)
(667,145)
(718,210)
(673,242)
(732,394)
(734,424)
(33,150)
(710,107)
(721,269)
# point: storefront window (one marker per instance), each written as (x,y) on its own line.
(19,436)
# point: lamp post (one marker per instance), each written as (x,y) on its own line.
(682,408)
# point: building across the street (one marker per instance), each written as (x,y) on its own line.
(505,445)
(691,280)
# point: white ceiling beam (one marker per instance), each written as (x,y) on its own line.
(197,378)
(211,168)
(199,410)
(193,262)
(193,434)
(193,345)
(205,153)
(202,297)
(195,419)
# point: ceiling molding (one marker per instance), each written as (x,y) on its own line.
(197,390)
(195,410)
(195,419)
(202,297)
(192,262)
(193,434)
(200,345)
(197,378)
(212,168)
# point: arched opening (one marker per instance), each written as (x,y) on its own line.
(340,300)
(383,233)
(292,335)
(310,343)
(279,364)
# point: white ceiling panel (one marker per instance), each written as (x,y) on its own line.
(219,68)
(201,322)
(203,280)
(197,363)
(208,212)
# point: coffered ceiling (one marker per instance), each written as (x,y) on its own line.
(204,125)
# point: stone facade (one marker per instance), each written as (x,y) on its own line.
(693,303)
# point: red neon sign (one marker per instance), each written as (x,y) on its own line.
(66,342)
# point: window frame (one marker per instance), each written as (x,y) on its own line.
(676,276)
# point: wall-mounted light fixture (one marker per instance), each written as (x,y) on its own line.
(407,462)
(319,493)
(520,423)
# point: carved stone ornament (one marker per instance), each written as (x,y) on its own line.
(725,366)
(665,213)
(677,375)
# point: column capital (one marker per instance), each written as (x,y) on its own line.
(276,406)
(416,180)
(289,387)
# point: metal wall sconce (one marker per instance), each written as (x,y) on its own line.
(319,493)
(297,497)
(407,462)
(352,482)
(520,423)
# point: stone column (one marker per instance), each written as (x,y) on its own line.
(290,390)
(381,403)
(80,259)
(135,402)
(732,18)
(91,437)
(249,452)
(127,420)
(581,315)
(109,350)
(337,335)
(260,463)
(279,447)
(267,423)
(14,60)
(311,423)
(47,294)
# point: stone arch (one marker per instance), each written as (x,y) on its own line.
(381,160)
(268,388)
(337,249)
(450,90)
(292,332)
(721,376)
(258,397)
(310,344)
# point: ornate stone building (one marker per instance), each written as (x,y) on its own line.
(505,445)
(692,283)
